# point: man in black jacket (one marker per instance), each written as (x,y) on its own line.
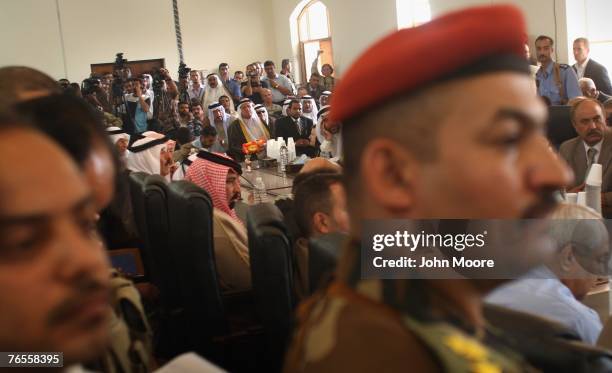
(585,67)
(297,126)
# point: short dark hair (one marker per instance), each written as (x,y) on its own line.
(208,131)
(544,37)
(313,195)
(269,63)
(183,103)
(17,79)
(223,96)
(285,62)
(223,64)
(194,104)
(183,135)
(238,72)
(70,121)
(294,101)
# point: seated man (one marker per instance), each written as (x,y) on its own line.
(274,110)
(319,206)
(208,141)
(265,118)
(54,274)
(588,88)
(592,145)
(248,127)
(153,155)
(297,126)
(221,120)
(120,139)
(554,291)
(309,108)
(219,176)
(329,134)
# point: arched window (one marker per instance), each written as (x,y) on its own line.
(315,36)
(411,13)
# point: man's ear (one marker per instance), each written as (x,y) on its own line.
(389,173)
(321,223)
(566,258)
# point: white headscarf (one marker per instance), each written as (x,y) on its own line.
(333,146)
(313,114)
(227,119)
(145,155)
(116,133)
(253,125)
(262,109)
(286,105)
(212,94)
(324,93)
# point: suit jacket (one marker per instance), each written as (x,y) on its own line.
(574,154)
(599,74)
(285,127)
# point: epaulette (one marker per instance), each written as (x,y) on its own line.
(564,66)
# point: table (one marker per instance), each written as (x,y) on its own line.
(277,184)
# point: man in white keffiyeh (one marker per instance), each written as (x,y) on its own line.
(329,135)
(309,108)
(214,90)
(153,155)
(248,127)
(120,139)
(220,120)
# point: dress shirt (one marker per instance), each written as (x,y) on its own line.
(541,293)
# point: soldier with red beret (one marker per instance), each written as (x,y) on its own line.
(455,135)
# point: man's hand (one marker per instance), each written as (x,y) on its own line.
(302,142)
(577,188)
(319,52)
(165,73)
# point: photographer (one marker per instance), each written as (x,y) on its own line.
(252,88)
(138,106)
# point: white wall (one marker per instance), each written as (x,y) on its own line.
(29,34)
(213,31)
(356,24)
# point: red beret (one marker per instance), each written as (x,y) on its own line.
(409,59)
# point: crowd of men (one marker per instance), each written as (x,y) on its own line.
(433,143)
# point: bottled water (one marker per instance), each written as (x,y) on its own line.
(283,158)
(260,190)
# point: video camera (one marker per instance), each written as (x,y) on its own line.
(183,71)
(89,85)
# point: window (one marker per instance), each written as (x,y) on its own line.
(598,30)
(411,13)
(315,36)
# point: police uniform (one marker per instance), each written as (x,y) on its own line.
(558,82)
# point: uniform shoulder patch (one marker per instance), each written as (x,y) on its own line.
(564,66)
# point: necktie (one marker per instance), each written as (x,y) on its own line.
(591,153)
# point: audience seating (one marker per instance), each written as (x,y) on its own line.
(137,194)
(559,127)
(271,257)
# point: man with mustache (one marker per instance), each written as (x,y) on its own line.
(219,175)
(432,144)
(53,270)
(592,145)
(556,81)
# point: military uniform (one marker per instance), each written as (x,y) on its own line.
(558,82)
(374,324)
